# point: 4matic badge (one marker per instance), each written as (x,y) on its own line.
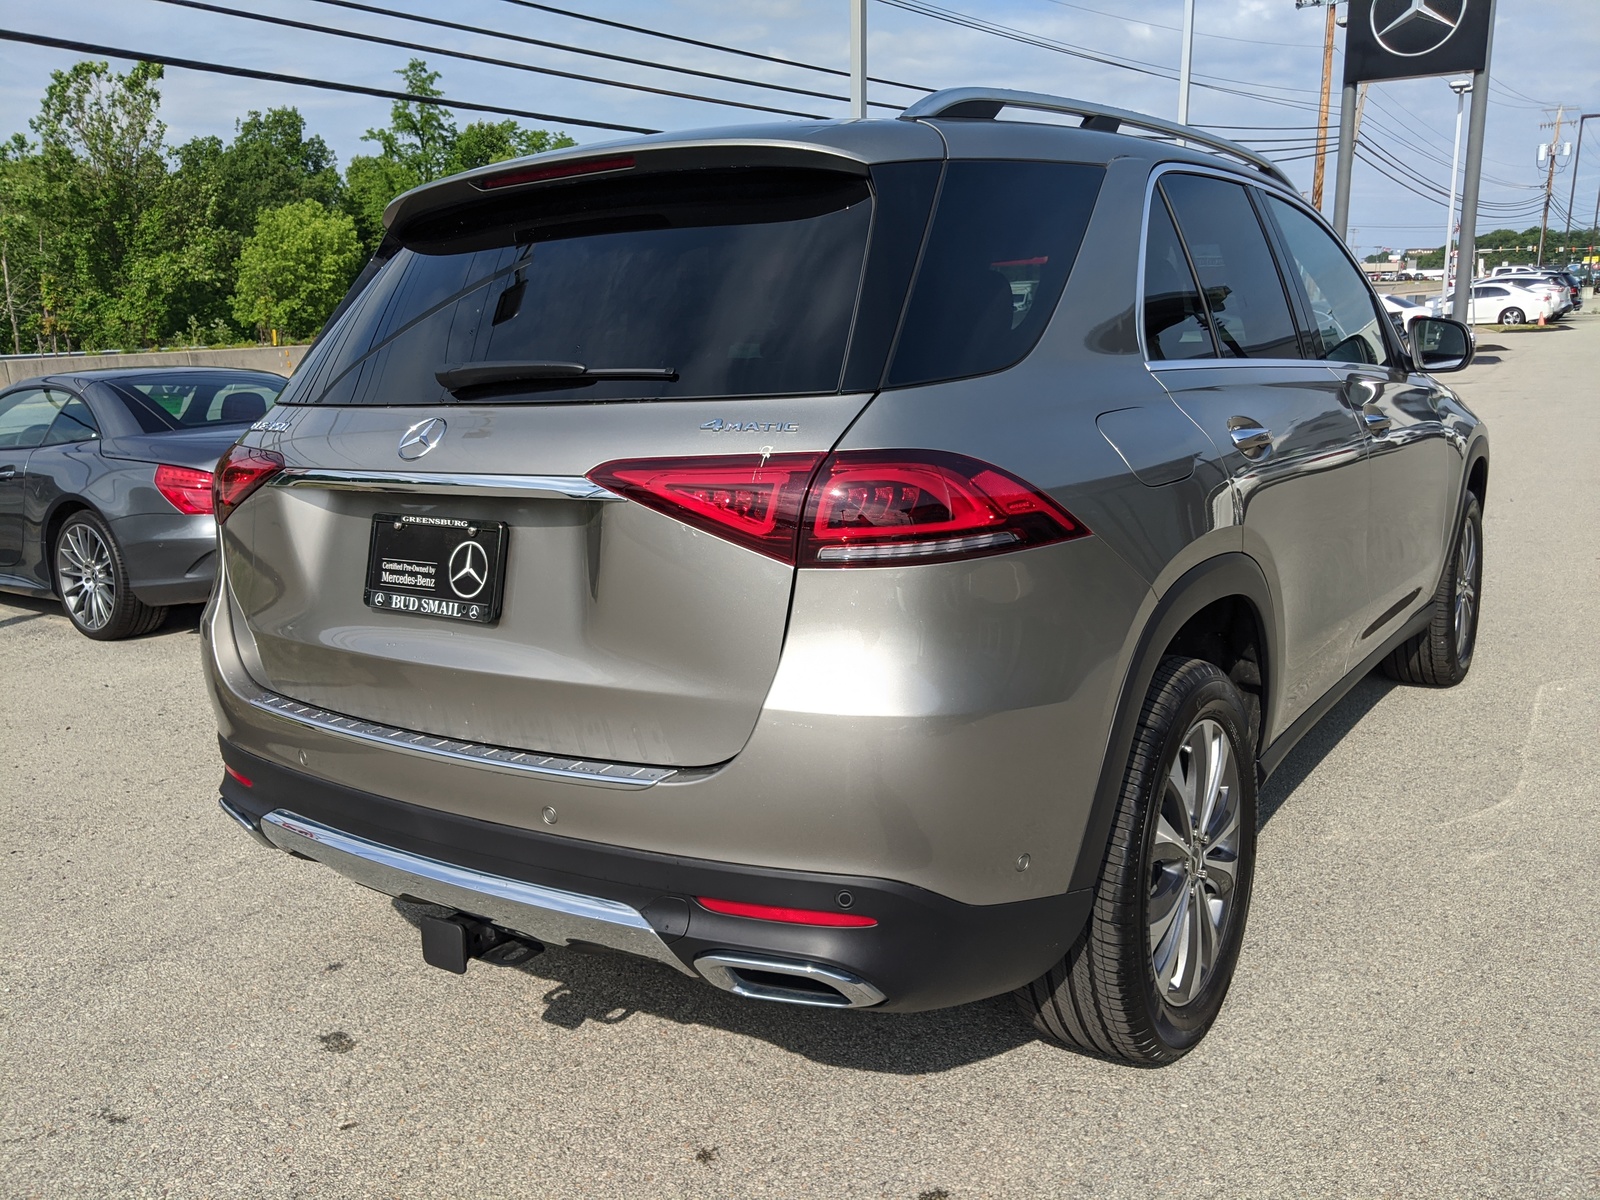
(721,426)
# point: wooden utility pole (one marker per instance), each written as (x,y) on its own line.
(1321,168)
(1549,181)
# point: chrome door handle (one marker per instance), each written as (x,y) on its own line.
(1252,440)
(1376,419)
(7,472)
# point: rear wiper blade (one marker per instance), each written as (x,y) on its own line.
(464,376)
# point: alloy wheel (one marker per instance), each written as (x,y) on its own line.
(1466,591)
(87,576)
(1193,872)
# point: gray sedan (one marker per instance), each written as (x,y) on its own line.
(105,487)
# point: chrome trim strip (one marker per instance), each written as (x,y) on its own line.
(555,487)
(597,772)
(719,968)
(544,913)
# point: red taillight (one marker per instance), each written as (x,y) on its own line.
(567,170)
(234,775)
(186,489)
(878,508)
(241,471)
(788,916)
(749,499)
(862,508)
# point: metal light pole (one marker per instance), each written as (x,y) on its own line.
(1186,63)
(1460,87)
(1577,158)
(1477,120)
(858,59)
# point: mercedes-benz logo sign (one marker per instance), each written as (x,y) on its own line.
(1410,28)
(422,437)
(469,569)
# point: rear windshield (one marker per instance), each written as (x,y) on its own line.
(188,401)
(740,282)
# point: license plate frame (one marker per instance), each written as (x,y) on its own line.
(446,568)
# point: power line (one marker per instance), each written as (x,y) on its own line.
(378,39)
(1221,37)
(545,44)
(689,41)
(191,64)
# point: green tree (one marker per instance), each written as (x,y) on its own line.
(102,173)
(295,268)
(271,162)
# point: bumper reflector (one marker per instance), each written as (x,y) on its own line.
(788,916)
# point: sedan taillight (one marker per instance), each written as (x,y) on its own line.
(858,508)
(188,490)
(241,471)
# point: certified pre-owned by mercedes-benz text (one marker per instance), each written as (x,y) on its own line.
(865,564)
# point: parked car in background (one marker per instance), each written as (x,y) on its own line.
(1501,302)
(1403,312)
(867,564)
(1565,296)
(105,487)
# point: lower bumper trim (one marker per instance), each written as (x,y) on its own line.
(544,913)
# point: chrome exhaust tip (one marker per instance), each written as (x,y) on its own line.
(786,981)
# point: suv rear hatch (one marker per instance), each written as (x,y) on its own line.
(634,310)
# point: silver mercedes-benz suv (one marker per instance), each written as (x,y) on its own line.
(863,564)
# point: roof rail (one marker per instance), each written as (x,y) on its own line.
(984,104)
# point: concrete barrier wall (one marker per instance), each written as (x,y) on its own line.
(281,359)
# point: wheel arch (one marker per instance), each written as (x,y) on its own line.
(1195,616)
(64,507)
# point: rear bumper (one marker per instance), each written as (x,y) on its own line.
(171,557)
(926,950)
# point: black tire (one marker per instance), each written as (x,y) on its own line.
(1513,316)
(1104,997)
(1441,655)
(92,581)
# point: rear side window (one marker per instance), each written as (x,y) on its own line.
(1343,311)
(1237,273)
(742,282)
(1003,242)
(1175,325)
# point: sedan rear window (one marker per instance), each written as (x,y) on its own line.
(192,400)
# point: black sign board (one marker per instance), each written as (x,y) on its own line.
(437,567)
(1401,39)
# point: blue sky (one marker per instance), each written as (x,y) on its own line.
(1545,54)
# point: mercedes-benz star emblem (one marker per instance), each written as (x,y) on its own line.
(1410,28)
(422,437)
(469,569)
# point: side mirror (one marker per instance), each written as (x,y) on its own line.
(1439,344)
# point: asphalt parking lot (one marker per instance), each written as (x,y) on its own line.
(1416,1013)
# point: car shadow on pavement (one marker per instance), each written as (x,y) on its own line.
(181,618)
(1316,745)
(604,988)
